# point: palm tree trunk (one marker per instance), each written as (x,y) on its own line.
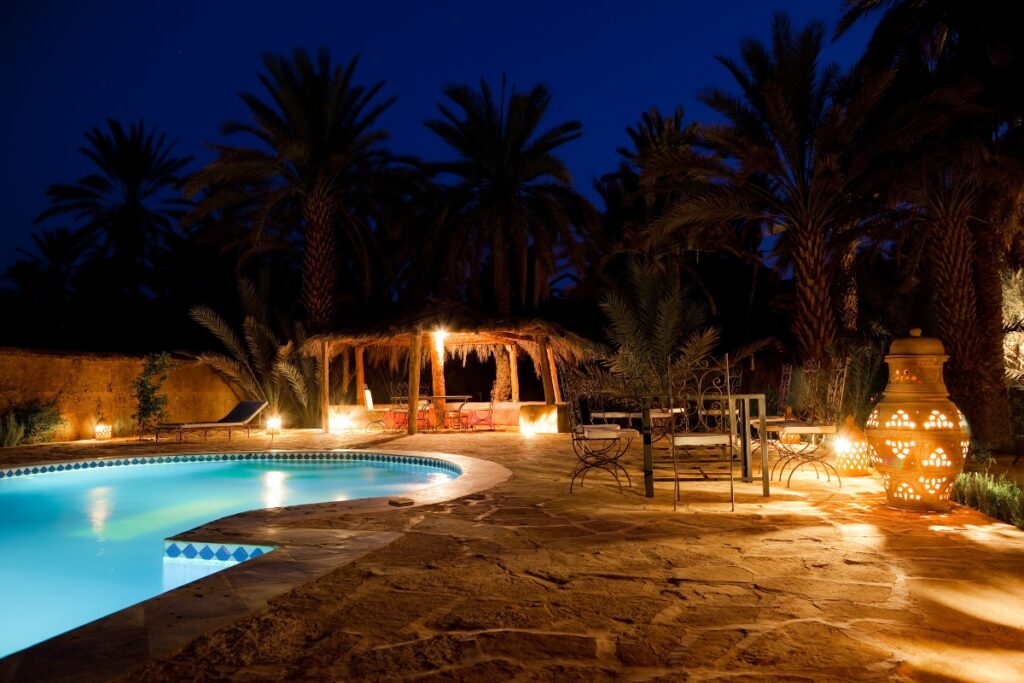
(850,303)
(319,262)
(992,413)
(813,321)
(502,286)
(502,389)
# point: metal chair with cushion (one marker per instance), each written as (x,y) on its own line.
(702,431)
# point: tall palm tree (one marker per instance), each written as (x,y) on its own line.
(316,165)
(798,153)
(974,48)
(512,202)
(129,204)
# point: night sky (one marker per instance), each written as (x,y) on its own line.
(68,66)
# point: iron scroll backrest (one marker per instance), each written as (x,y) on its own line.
(836,390)
(785,380)
(700,396)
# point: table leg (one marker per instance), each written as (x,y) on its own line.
(762,433)
(744,434)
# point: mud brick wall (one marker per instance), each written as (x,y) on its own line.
(90,385)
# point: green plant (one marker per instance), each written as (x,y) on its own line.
(39,419)
(150,404)
(11,433)
(995,496)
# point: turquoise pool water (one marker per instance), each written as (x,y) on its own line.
(89,540)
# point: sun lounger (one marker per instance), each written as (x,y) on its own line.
(240,417)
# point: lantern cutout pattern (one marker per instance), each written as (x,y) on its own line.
(103,429)
(920,438)
(853,452)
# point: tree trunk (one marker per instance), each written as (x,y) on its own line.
(502,286)
(992,411)
(502,390)
(319,263)
(954,301)
(849,302)
(814,323)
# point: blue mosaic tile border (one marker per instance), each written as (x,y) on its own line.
(224,552)
(329,456)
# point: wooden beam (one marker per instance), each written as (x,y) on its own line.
(545,370)
(346,373)
(556,390)
(437,376)
(415,352)
(513,364)
(325,387)
(360,377)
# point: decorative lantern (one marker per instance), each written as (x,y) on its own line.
(274,425)
(853,452)
(103,429)
(920,437)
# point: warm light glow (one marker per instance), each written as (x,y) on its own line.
(273,489)
(274,424)
(439,336)
(853,452)
(103,429)
(543,423)
(339,420)
(100,507)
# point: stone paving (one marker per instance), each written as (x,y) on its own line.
(527,582)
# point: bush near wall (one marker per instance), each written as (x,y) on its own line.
(995,496)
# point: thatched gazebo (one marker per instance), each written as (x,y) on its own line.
(457,333)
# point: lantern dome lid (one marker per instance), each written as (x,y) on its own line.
(916,345)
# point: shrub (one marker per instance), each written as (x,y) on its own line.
(995,496)
(30,422)
(150,404)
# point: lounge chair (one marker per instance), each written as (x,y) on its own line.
(240,417)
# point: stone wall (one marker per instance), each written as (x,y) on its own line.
(90,385)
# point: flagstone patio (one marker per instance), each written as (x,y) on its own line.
(527,582)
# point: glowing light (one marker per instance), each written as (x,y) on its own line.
(339,421)
(439,336)
(103,429)
(273,489)
(274,424)
(544,420)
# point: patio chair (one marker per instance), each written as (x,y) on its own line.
(801,443)
(240,417)
(482,417)
(702,430)
(596,446)
(374,417)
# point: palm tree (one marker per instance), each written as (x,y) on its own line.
(512,200)
(317,164)
(972,196)
(799,154)
(129,204)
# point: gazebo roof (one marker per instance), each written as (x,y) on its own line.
(465,332)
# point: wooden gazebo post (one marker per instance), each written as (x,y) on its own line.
(513,367)
(437,374)
(325,386)
(556,389)
(545,369)
(415,351)
(360,377)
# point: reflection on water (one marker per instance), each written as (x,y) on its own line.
(99,505)
(274,491)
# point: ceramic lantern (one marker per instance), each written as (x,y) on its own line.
(920,438)
(853,452)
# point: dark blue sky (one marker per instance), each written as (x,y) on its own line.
(67,66)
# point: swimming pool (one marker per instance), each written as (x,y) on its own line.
(81,540)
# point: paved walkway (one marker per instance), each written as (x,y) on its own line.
(527,582)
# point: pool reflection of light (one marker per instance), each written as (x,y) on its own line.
(99,508)
(273,489)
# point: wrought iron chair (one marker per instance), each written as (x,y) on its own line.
(483,417)
(596,446)
(374,417)
(803,442)
(702,441)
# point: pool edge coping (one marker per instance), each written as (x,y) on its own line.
(109,646)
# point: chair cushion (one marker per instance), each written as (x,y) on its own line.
(700,439)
